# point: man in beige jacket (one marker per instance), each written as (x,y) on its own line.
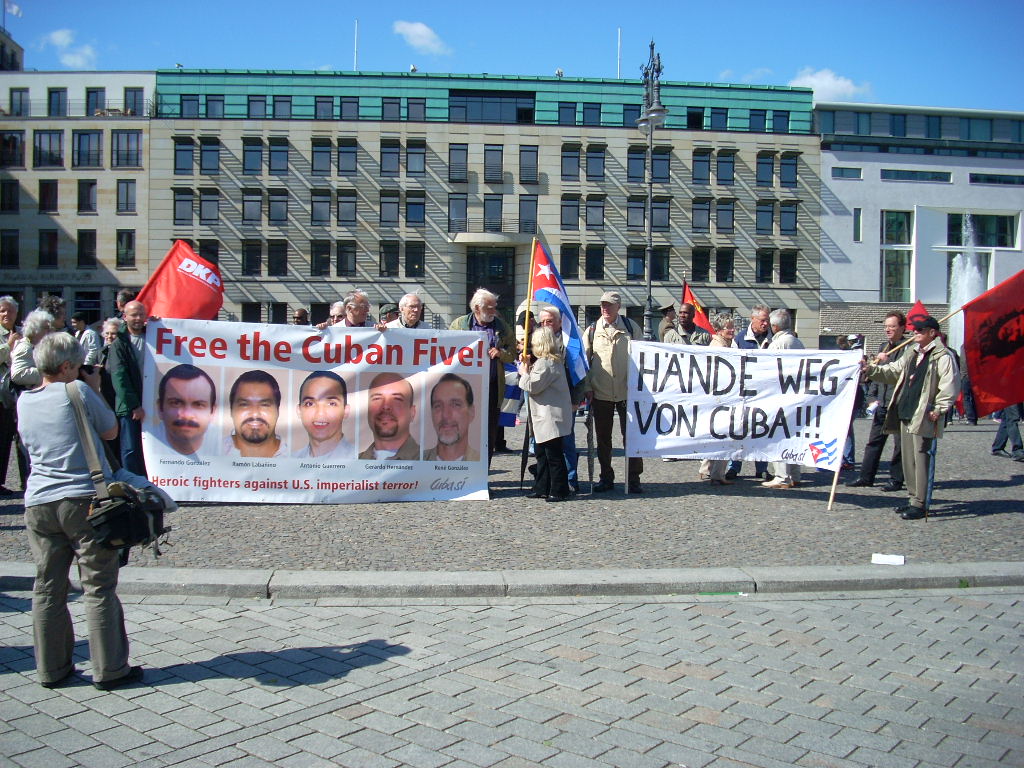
(606,345)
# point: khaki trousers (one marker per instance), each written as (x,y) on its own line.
(58,532)
(916,463)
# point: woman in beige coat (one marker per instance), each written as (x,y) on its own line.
(725,335)
(551,414)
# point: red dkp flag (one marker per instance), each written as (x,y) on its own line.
(185,285)
(700,316)
(994,345)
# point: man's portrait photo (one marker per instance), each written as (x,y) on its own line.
(452,413)
(255,403)
(186,398)
(322,410)
(390,411)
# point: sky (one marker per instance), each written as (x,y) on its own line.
(935,53)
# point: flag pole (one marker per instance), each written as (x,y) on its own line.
(904,343)
(529,300)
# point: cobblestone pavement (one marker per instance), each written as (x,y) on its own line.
(930,678)
(678,522)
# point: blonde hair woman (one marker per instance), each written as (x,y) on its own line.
(724,326)
(551,414)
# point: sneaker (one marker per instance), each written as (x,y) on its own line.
(777,484)
(1001,452)
(134,676)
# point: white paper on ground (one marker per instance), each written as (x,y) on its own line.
(879,559)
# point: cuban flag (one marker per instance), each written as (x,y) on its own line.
(548,289)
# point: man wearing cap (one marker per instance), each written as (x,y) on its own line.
(388,313)
(668,320)
(686,331)
(606,344)
(925,388)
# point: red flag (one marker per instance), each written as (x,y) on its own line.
(994,345)
(700,317)
(185,285)
(916,312)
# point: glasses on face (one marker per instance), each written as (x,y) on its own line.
(337,317)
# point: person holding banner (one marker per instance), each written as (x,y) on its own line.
(725,336)
(757,335)
(125,365)
(410,313)
(926,387)
(551,414)
(786,475)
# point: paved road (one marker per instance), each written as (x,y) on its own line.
(877,679)
(678,523)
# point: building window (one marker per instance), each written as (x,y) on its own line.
(826,121)
(209,156)
(787,266)
(701,167)
(321,158)
(457,213)
(660,207)
(661,161)
(415,209)
(636,164)
(787,171)
(492,163)
(347,152)
(210,250)
(126,249)
(10,249)
(349,107)
(19,104)
(215,107)
(897,125)
(346,208)
(660,263)
(528,214)
(277,207)
(48,149)
(209,206)
(57,102)
(47,196)
(594,269)
(282,107)
(12,149)
(252,257)
(595,212)
(10,196)
(725,214)
(134,101)
(278,313)
(567,113)
(635,207)
(48,256)
(765,169)
(323,109)
(252,157)
(389,202)
(416,110)
(257,108)
(896,275)
(846,173)
(569,262)
(636,259)
(252,206)
(630,115)
(764,218)
(858,218)
(183,151)
(719,119)
(896,227)
(570,162)
(975,129)
(780,121)
(415,259)
(87,249)
(126,149)
(278,156)
(989,230)
(700,266)
(277,258)
(724,262)
(183,206)
(390,158)
(701,215)
(492,213)
(391,108)
(787,218)
(345,265)
(528,164)
(388,258)
(320,208)
(933,127)
(86,151)
(595,163)
(996,178)
(862,123)
(87,196)
(726,170)
(252,312)
(570,212)
(591,113)
(764,265)
(757,120)
(892,174)
(695,118)
(458,162)
(189,105)
(416,159)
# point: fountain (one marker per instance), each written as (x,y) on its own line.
(966,281)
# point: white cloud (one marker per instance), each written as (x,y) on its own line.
(828,86)
(421,38)
(758,75)
(71,56)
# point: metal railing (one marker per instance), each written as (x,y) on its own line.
(478,224)
(76,108)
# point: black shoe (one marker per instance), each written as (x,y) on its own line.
(566,497)
(973,422)
(635,488)
(604,486)
(134,676)
(732,474)
(1001,452)
(1018,458)
(913,513)
(574,489)
(847,466)
(892,487)
(534,496)
(860,482)
(901,510)
(62,681)
(532,469)
(503,449)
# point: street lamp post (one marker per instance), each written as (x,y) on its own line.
(653,116)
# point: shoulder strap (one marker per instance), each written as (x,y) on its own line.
(85,432)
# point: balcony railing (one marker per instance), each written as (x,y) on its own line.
(497,224)
(76,108)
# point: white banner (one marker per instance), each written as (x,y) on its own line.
(722,403)
(288,414)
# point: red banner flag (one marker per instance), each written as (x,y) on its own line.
(994,345)
(185,285)
(916,312)
(700,317)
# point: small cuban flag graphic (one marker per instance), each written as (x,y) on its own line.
(822,452)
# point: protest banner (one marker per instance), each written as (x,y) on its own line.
(722,403)
(247,412)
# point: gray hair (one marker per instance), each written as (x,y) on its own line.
(114,321)
(759,308)
(55,349)
(554,311)
(356,297)
(721,319)
(38,323)
(9,300)
(780,319)
(338,306)
(482,295)
(544,345)
(404,301)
